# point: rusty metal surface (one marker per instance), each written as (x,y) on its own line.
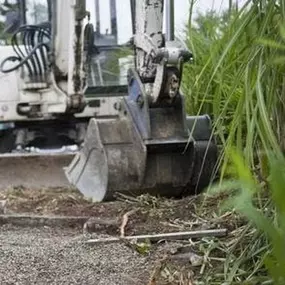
(34,171)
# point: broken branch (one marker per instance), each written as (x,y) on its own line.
(125,221)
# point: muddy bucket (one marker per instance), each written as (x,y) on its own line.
(122,156)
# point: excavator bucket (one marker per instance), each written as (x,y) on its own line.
(159,151)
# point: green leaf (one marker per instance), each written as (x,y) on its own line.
(143,247)
(277,182)
(271,43)
(243,170)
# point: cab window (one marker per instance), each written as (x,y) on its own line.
(36,12)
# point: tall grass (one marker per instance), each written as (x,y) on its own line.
(239,79)
(236,80)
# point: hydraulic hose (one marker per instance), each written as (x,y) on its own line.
(35,40)
(21,61)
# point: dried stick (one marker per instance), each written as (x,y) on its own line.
(125,220)
(166,236)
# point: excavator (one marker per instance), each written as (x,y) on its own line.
(49,73)
(67,122)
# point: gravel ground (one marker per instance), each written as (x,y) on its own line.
(59,256)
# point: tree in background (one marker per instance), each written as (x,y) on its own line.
(39,13)
(7,7)
(11,11)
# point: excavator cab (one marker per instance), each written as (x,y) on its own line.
(113,53)
(153,146)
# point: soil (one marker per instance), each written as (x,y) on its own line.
(151,215)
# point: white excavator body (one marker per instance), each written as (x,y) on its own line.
(68,102)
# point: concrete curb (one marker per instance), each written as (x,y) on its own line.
(29,220)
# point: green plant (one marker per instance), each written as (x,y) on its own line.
(233,78)
(238,78)
(269,219)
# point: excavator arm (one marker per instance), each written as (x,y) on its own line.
(154,147)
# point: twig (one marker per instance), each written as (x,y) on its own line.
(126,198)
(205,259)
(165,236)
(199,218)
(125,220)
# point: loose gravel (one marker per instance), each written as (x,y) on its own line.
(59,256)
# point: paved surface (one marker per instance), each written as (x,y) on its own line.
(57,256)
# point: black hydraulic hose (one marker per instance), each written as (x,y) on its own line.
(18,52)
(43,56)
(34,54)
(22,62)
(35,59)
(33,34)
(41,38)
(28,45)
